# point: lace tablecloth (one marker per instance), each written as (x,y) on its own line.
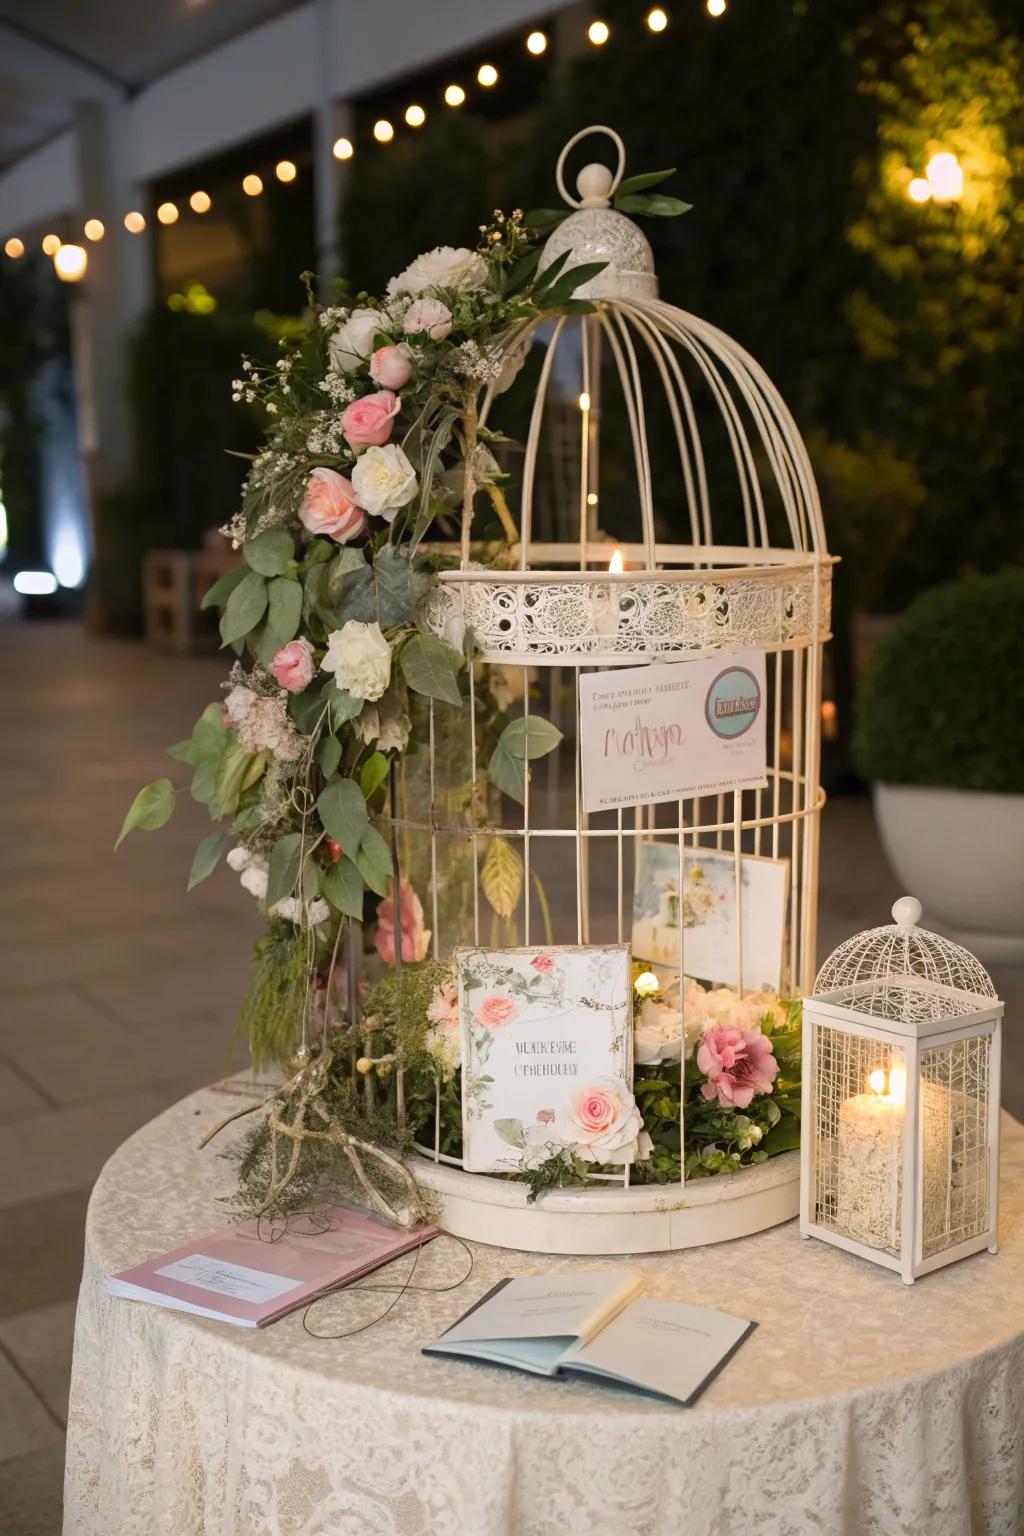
(858,1406)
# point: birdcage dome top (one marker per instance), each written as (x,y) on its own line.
(904,973)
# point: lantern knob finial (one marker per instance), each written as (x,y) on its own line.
(906,911)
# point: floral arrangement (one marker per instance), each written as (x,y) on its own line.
(373,440)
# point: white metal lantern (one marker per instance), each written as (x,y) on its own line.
(646,407)
(900,1152)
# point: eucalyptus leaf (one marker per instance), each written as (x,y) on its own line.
(654,204)
(284,608)
(222,589)
(374,861)
(358,599)
(245,607)
(439,440)
(568,283)
(342,884)
(530,736)
(207,857)
(344,705)
(152,807)
(283,874)
(373,773)
(342,810)
(344,563)
(507,773)
(641,183)
(429,666)
(328,755)
(306,707)
(511,1132)
(231,772)
(317,551)
(269,553)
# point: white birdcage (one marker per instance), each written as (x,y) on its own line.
(901,1048)
(731,556)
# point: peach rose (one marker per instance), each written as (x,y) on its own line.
(329,507)
(391,367)
(495,1011)
(367,423)
(543,964)
(603,1123)
(293,665)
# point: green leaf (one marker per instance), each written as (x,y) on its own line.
(545,218)
(344,563)
(231,772)
(430,666)
(284,611)
(373,773)
(568,283)
(283,875)
(328,755)
(306,707)
(184,751)
(343,812)
(522,271)
(550,274)
(358,599)
(439,440)
(245,607)
(269,553)
(782,1137)
(223,588)
(507,773)
(343,887)
(655,205)
(511,1131)
(344,705)
(374,861)
(530,736)
(577,307)
(152,807)
(207,857)
(641,183)
(317,551)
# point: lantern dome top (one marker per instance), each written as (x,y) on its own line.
(598,232)
(904,973)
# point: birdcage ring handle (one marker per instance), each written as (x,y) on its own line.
(583,133)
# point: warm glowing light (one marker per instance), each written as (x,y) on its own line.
(599,32)
(919,191)
(716,7)
(945,177)
(35,583)
(454,95)
(878,1080)
(536,43)
(891,1085)
(646,984)
(487,74)
(383,131)
(93,229)
(591,498)
(200,202)
(70,262)
(616,564)
(657,20)
(167,213)
(134,223)
(252,185)
(343,149)
(584,401)
(51,245)
(14,248)
(829,719)
(286,170)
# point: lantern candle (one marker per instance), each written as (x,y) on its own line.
(869,1182)
(607,622)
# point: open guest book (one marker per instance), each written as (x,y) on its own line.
(595,1323)
(241,1274)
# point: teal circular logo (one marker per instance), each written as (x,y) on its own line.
(733,703)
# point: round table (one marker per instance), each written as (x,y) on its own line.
(858,1406)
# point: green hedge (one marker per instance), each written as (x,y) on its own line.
(942,701)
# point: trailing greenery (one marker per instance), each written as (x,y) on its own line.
(942,701)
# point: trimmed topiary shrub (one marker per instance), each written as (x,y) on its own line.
(942,701)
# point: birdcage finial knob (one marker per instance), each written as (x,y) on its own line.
(595,183)
(907,911)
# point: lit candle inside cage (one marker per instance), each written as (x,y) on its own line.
(616,564)
(646,984)
(870,1161)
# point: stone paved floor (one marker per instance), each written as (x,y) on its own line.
(117,992)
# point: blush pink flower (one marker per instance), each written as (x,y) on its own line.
(368,423)
(293,665)
(543,964)
(443,1007)
(739,1064)
(330,508)
(495,1011)
(546,1116)
(415,938)
(391,367)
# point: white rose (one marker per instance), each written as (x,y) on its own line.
(428,315)
(655,1033)
(351,344)
(603,1123)
(443,267)
(254,877)
(290,907)
(360,658)
(384,480)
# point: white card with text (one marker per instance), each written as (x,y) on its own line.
(538,1026)
(673,729)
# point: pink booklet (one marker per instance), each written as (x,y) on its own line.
(239,1275)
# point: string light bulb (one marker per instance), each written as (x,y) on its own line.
(93,229)
(285,170)
(537,43)
(50,245)
(70,263)
(343,149)
(252,185)
(657,20)
(919,191)
(14,248)
(487,75)
(945,177)
(584,401)
(383,131)
(200,202)
(646,984)
(134,222)
(716,7)
(599,32)
(454,95)
(167,213)
(415,116)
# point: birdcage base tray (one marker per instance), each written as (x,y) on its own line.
(648,1218)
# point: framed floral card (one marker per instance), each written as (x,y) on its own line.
(541,1028)
(701,911)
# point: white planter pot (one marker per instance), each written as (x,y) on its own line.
(961,854)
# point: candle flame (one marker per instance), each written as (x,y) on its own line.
(878,1079)
(616,563)
(891,1085)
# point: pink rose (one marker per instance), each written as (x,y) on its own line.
(391,367)
(428,315)
(329,507)
(543,963)
(415,938)
(495,1011)
(293,665)
(596,1110)
(367,423)
(738,1063)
